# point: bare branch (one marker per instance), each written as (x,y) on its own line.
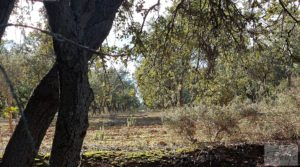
(288,12)
(61,38)
(147,11)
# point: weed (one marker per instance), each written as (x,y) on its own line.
(100,134)
(131,121)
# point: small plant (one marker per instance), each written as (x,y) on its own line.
(131,121)
(8,113)
(214,122)
(100,134)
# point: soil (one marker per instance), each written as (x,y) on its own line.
(238,155)
(241,155)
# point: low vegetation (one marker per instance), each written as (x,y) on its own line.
(267,120)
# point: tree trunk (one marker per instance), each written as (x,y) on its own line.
(289,80)
(75,99)
(87,23)
(39,113)
(6,7)
(180,100)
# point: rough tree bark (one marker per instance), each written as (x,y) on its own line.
(87,23)
(39,113)
(75,98)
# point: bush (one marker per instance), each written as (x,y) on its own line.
(220,122)
(282,116)
(240,120)
(182,121)
(213,122)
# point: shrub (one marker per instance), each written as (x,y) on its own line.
(221,122)
(276,119)
(8,113)
(182,121)
(282,116)
(214,122)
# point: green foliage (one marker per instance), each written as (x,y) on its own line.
(114,90)
(9,110)
(200,55)
(27,63)
(162,88)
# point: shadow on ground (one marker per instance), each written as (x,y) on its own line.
(221,156)
(218,156)
(119,120)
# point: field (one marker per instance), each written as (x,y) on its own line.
(127,132)
(114,132)
(141,139)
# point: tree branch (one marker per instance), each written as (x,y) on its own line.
(61,38)
(288,12)
(147,11)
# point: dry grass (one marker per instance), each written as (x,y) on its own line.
(109,132)
(240,121)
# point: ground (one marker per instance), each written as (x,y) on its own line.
(140,139)
(125,131)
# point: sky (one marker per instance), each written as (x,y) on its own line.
(33,17)
(13,33)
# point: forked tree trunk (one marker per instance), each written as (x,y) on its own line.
(87,23)
(39,113)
